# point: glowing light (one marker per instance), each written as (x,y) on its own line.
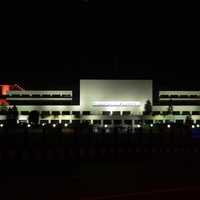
(198,125)
(65,124)
(106,126)
(151,125)
(43,124)
(116,103)
(168,126)
(29,125)
(54,125)
(1,125)
(193,126)
(139,126)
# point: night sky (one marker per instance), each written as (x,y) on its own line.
(52,72)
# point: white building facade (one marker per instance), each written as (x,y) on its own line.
(105,102)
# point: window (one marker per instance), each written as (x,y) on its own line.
(193,96)
(97,122)
(165,112)
(24,112)
(106,112)
(44,122)
(86,121)
(116,113)
(138,121)
(65,121)
(176,113)
(75,121)
(128,122)
(164,96)
(55,113)
(185,113)
(66,95)
(45,113)
(179,121)
(183,96)
(36,95)
(86,112)
(195,112)
(126,113)
(75,112)
(25,95)
(3,112)
(158,121)
(107,122)
(65,112)
(46,95)
(56,96)
(55,121)
(174,96)
(155,112)
(117,122)
(148,121)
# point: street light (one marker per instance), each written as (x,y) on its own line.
(65,124)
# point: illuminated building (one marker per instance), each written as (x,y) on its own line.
(103,102)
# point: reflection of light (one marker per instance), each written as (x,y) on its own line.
(107,130)
(168,125)
(95,130)
(1,125)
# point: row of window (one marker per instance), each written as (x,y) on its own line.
(39,96)
(114,113)
(111,122)
(179,96)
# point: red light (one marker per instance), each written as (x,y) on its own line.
(5,89)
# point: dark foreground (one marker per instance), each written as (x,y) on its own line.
(54,166)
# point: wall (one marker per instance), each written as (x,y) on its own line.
(114,90)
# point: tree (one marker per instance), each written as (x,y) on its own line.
(34,117)
(188,120)
(148,108)
(170,108)
(12,116)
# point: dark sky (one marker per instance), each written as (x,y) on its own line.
(50,71)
